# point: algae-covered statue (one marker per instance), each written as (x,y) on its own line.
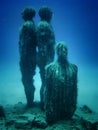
(61,87)
(46,42)
(27,49)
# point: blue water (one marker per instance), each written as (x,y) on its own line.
(76,23)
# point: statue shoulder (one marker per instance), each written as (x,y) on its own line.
(51,68)
(73,66)
(73,69)
(27,25)
(44,26)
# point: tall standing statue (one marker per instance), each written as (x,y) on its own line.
(61,87)
(27,49)
(46,42)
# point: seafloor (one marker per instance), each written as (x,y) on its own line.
(22,118)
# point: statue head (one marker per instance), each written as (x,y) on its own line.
(28,13)
(45,13)
(62,51)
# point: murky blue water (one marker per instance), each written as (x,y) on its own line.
(73,22)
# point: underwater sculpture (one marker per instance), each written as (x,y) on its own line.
(61,87)
(46,42)
(27,49)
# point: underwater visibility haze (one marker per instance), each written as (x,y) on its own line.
(75,23)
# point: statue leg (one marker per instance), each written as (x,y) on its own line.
(29,90)
(28,72)
(42,74)
(41,64)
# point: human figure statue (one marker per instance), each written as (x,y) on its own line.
(27,49)
(46,42)
(61,87)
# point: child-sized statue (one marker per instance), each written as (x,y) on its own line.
(46,42)
(61,87)
(27,48)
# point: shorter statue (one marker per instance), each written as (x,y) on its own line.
(61,87)
(27,49)
(46,42)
